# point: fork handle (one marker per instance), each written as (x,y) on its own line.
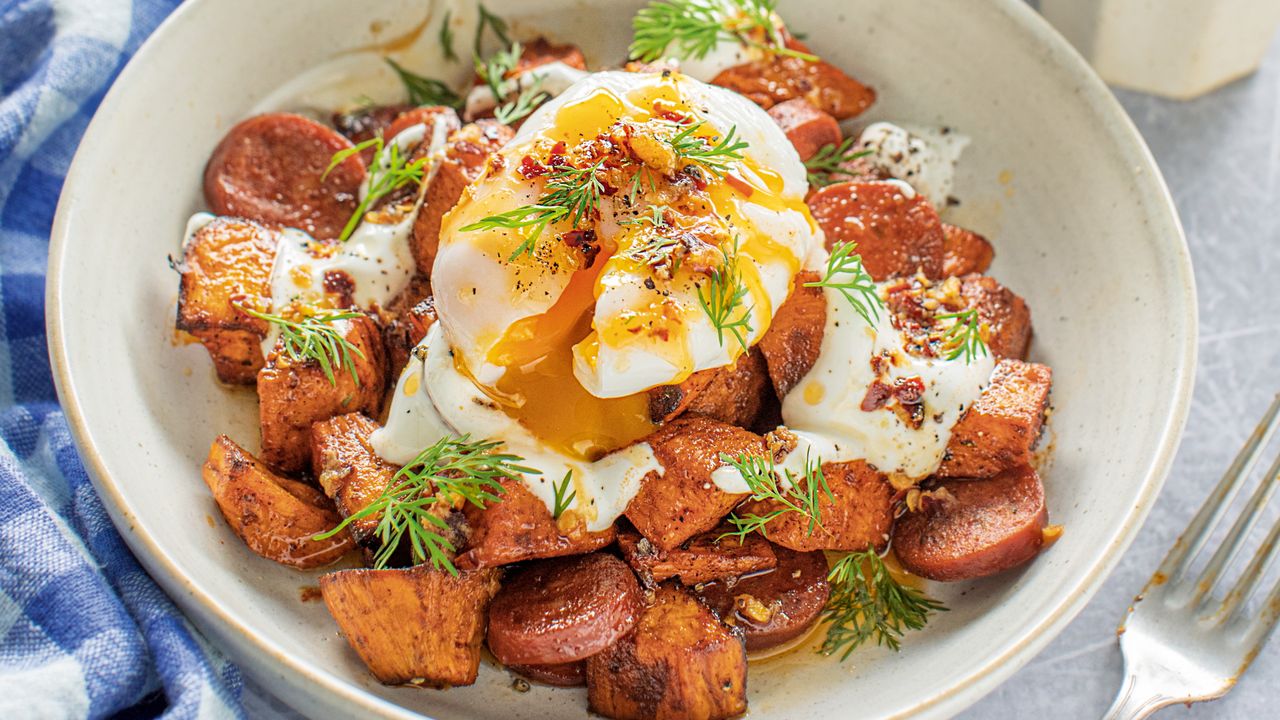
(1136,700)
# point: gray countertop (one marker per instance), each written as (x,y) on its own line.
(1221,157)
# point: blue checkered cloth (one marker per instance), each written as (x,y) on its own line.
(84,632)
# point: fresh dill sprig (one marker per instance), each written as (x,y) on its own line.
(654,217)
(492,22)
(493,71)
(761,476)
(562,501)
(830,160)
(725,293)
(637,184)
(964,337)
(524,98)
(389,171)
(572,192)
(694,27)
(315,338)
(715,158)
(846,274)
(525,102)
(867,602)
(446,37)
(424,90)
(453,471)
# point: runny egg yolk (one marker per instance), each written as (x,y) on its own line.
(540,391)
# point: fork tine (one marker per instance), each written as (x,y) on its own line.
(1262,626)
(1192,540)
(1253,574)
(1235,538)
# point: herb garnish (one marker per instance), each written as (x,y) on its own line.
(315,338)
(389,171)
(572,192)
(525,102)
(867,602)
(761,476)
(562,501)
(453,471)
(654,217)
(830,161)
(856,284)
(725,293)
(696,26)
(446,37)
(527,97)
(493,22)
(715,158)
(424,90)
(964,337)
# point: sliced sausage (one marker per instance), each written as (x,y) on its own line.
(896,230)
(807,127)
(964,251)
(681,662)
(776,605)
(986,527)
(269,168)
(563,610)
(572,674)
(1006,315)
(778,78)
(794,339)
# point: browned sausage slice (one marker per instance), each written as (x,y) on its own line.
(778,78)
(563,610)
(897,232)
(794,339)
(268,168)
(990,526)
(572,674)
(774,606)
(807,127)
(964,251)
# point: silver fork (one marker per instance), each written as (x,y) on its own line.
(1181,642)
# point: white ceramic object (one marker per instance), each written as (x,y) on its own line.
(1176,48)
(1056,175)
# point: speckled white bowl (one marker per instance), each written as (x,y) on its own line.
(1056,176)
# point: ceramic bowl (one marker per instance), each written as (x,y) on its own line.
(1056,175)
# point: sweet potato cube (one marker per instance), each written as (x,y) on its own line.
(1007,317)
(682,501)
(733,394)
(704,558)
(227,260)
(292,396)
(858,516)
(794,339)
(465,156)
(275,516)
(964,252)
(1000,429)
(681,663)
(348,469)
(520,527)
(416,625)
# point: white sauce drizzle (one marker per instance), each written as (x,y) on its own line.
(556,77)
(445,402)
(922,156)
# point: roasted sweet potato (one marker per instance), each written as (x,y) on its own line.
(348,469)
(406,322)
(859,516)
(704,558)
(779,78)
(681,663)
(1000,429)
(417,625)
(794,339)
(682,501)
(275,516)
(964,252)
(520,528)
(563,610)
(229,260)
(982,528)
(732,394)
(776,606)
(1007,317)
(292,396)
(807,127)
(465,155)
(897,232)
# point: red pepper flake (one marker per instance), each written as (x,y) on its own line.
(739,184)
(531,168)
(909,391)
(877,396)
(585,242)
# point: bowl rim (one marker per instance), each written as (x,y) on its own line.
(239,640)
